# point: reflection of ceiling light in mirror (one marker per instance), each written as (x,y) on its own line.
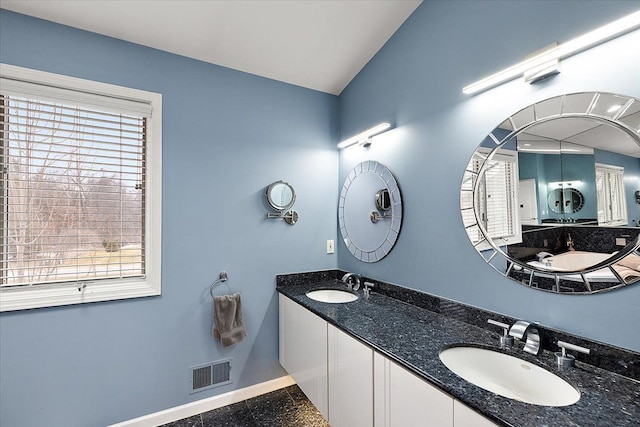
(364,137)
(565,183)
(593,38)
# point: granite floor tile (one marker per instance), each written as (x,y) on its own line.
(194,421)
(236,415)
(287,407)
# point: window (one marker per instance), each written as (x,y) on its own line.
(612,205)
(80,194)
(496,198)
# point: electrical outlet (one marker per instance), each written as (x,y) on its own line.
(621,241)
(545,243)
(330,247)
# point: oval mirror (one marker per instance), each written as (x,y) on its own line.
(368,235)
(548,197)
(280,195)
(565,200)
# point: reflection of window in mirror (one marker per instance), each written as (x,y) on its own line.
(496,198)
(612,206)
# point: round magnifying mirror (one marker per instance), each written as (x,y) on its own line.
(383,200)
(280,195)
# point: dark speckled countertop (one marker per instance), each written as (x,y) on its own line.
(413,337)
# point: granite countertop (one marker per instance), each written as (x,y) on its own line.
(413,337)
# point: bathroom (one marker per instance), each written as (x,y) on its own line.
(228,134)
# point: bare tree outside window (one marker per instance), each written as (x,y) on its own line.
(73,193)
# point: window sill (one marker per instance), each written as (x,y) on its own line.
(23,299)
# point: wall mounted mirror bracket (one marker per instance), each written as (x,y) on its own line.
(281,197)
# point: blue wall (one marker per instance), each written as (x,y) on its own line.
(416,82)
(547,168)
(226,136)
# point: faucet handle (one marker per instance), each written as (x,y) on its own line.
(505,340)
(565,360)
(367,289)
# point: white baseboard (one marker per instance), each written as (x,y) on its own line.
(208,404)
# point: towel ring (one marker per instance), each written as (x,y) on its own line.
(222,278)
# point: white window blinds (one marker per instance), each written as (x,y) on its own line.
(495,197)
(610,194)
(73,190)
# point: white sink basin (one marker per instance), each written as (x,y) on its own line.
(509,376)
(334,296)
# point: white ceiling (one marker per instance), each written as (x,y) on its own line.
(318,44)
(575,135)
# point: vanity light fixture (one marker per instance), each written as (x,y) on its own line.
(561,51)
(364,138)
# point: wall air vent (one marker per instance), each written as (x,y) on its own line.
(209,375)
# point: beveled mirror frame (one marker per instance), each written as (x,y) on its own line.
(626,119)
(392,216)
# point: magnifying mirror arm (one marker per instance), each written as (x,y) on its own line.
(376,216)
(290,216)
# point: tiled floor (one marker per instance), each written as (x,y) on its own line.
(287,407)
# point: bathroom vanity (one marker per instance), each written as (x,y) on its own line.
(375,362)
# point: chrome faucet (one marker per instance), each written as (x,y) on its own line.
(525,331)
(352,280)
(570,242)
(543,255)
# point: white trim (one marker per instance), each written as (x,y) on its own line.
(102,290)
(208,404)
(19,81)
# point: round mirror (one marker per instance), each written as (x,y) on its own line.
(370,237)
(383,200)
(280,195)
(548,197)
(568,200)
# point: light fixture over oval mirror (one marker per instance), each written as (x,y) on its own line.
(370,211)
(584,147)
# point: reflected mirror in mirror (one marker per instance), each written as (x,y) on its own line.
(383,200)
(368,234)
(548,197)
(280,195)
(565,200)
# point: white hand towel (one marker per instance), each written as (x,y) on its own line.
(228,325)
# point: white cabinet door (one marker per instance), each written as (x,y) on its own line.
(303,351)
(350,381)
(405,400)
(463,416)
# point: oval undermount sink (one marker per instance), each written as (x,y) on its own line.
(334,296)
(509,376)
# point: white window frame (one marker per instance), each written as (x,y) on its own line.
(605,216)
(510,156)
(85,91)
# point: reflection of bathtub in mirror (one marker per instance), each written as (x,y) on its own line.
(571,261)
(628,268)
